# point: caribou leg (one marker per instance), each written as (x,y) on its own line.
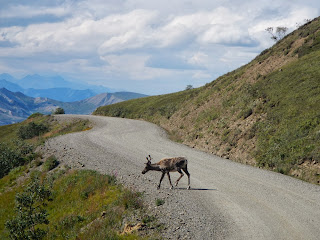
(188,174)
(170,180)
(163,173)
(181,175)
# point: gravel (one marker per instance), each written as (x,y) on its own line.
(227,200)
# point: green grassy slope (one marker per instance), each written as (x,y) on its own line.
(83,205)
(79,197)
(265,113)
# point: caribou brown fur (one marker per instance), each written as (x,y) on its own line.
(166,165)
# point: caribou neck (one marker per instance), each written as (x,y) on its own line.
(154,167)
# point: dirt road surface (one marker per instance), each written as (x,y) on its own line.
(227,200)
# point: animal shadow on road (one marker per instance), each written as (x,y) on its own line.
(197,189)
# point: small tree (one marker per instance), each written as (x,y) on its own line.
(59,110)
(299,24)
(30,212)
(189,87)
(278,33)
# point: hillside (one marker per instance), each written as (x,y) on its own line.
(10,86)
(61,201)
(265,113)
(15,106)
(60,94)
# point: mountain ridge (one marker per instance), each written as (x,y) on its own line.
(16,106)
(54,87)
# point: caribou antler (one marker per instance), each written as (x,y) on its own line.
(149,159)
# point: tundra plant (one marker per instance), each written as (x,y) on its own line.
(30,212)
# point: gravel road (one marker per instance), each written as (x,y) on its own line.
(227,200)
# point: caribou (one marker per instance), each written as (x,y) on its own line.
(167,165)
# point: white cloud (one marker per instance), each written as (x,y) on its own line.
(142,40)
(202,75)
(127,31)
(24,11)
(199,58)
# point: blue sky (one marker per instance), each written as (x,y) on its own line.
(145,46)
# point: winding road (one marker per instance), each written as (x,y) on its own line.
(227,200)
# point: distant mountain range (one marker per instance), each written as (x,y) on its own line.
(55,87)
(16,106)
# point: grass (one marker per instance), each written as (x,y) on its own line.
(290,133)
(18,141)
(8,189)
(79,199)
(159,202)
(148,107)
(10,179)
(9,133)
(50,163)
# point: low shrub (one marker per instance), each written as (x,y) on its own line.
(11,157)
(159,202)
(51,163)
(31,130)
(59,110)
(30,212)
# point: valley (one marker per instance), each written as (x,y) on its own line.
(17,103)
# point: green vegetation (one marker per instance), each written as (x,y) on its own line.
(265,113)
(30,212)
(31,130)
(14,156)
(312,41)
(18,141)
(59,202)
(69,204)
(50,163)
(33,126)
(290,133)
(149,108)
(89,205)
(59,110)
(159,202)
(35,115)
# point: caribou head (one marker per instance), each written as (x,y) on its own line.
(148,165)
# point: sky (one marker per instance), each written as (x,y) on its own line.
(144,46)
